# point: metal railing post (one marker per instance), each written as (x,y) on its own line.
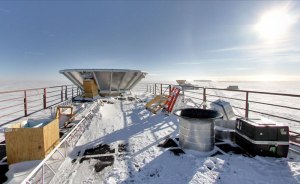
(72,92)
(247,105)
(62,94)
(66,93)
(169,89)
(155,88)
(45,99)
(152,89)
(204,98)
(161,89)
(182,90)
(25,103)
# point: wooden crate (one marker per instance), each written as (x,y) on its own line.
(90,88)
(24,144)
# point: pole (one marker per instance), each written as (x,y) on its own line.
(45,99)
(62,94)
(66,93)
(25,103)
(247,105)
(204,98)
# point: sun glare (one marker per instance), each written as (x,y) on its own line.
(274,24)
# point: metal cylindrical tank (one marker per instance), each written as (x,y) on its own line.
(196,128)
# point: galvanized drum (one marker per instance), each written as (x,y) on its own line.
(196,128)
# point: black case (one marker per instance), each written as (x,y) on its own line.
(262,138)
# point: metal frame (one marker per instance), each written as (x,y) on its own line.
(105,78)
(37,175)
(32,103)
(204,97)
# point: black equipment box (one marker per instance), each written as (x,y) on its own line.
(261,137)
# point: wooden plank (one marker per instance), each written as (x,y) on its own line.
(156,103)
(23,144)
(51,136)
(90,88)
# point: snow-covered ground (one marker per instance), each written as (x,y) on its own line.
(129,123)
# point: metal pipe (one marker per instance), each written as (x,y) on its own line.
(204,98)
(62,94)
(247,105)
(44,99)
(66,93)
(161,89)
(111,74)
(25,104)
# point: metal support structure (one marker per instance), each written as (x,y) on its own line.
(25,104)
(204,98)
(111,75)
(62,94)
(247,105)
(66,93)
(183,96)
(50,168)
(169,89)
(152,88)
(155,88)
(96,80)
(45,99)
(161,89)
(37,175)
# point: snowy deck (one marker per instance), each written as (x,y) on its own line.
(142,161)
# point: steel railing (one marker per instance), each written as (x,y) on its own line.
(17,104)
(204,95)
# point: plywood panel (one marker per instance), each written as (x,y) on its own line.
(51,136)
(156,103)
(90,88)
(23,144)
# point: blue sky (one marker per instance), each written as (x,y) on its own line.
(170,40)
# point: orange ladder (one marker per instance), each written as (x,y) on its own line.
(168,106)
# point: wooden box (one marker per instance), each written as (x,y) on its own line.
(26,142)
(90,88)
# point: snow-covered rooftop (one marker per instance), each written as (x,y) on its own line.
(128,123)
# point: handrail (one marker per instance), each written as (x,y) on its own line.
(205,94)
(257,92)
(26,100)
(30,89)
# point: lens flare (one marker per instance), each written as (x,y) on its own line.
(275,24)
